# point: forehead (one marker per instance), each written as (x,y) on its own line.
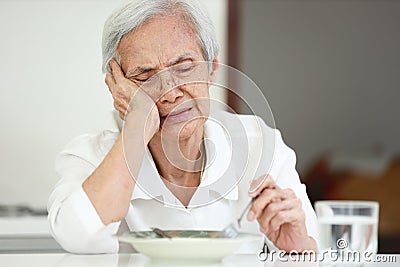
(158,41)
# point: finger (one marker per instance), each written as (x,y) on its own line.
(117,105)
(121,95)
(117,72)
(109,80)
(261,202)
(122,115)
(121,106)
(110,85)
(284,217)
(257,185)
(274,208)
(119,84)
(124,109)
(288,193)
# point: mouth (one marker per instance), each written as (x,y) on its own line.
(178,112)
(179,115)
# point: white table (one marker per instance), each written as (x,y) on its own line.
(124,260)
(26,234)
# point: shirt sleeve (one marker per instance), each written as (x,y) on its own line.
(286,176)
(73,220)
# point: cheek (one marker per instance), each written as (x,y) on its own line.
(190,128)
(198,93)
(202,98)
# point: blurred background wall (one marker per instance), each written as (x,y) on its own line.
(330,71)
(52,88)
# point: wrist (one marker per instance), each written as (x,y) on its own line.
(142,125)
(310,245)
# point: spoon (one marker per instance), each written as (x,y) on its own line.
(232,230)
(160,232)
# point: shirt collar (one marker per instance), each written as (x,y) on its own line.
(215,176)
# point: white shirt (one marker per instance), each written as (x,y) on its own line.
(238,148)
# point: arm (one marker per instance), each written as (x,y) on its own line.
(73,220)
(282,207)
(92,198)
(110,186)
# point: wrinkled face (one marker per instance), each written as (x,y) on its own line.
(160,56)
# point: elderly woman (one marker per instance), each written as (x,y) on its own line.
(161,171)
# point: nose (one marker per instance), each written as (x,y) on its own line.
(170,91)
(172,95)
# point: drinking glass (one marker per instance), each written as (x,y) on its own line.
(348,225)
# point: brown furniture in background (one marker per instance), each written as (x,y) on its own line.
(323,184)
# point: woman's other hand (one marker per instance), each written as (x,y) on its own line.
(280,215)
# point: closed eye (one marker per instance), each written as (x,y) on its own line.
(141,80)
(142,77)
(184,67)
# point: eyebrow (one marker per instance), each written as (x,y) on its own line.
(139,70)
(143,69)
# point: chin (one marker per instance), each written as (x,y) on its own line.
(184,130)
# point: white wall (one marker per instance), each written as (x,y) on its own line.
(330,70)
(52,88)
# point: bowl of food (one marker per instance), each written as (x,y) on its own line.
(186,245)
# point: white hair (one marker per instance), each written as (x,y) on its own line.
(134,13)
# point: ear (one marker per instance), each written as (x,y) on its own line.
(214,70)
